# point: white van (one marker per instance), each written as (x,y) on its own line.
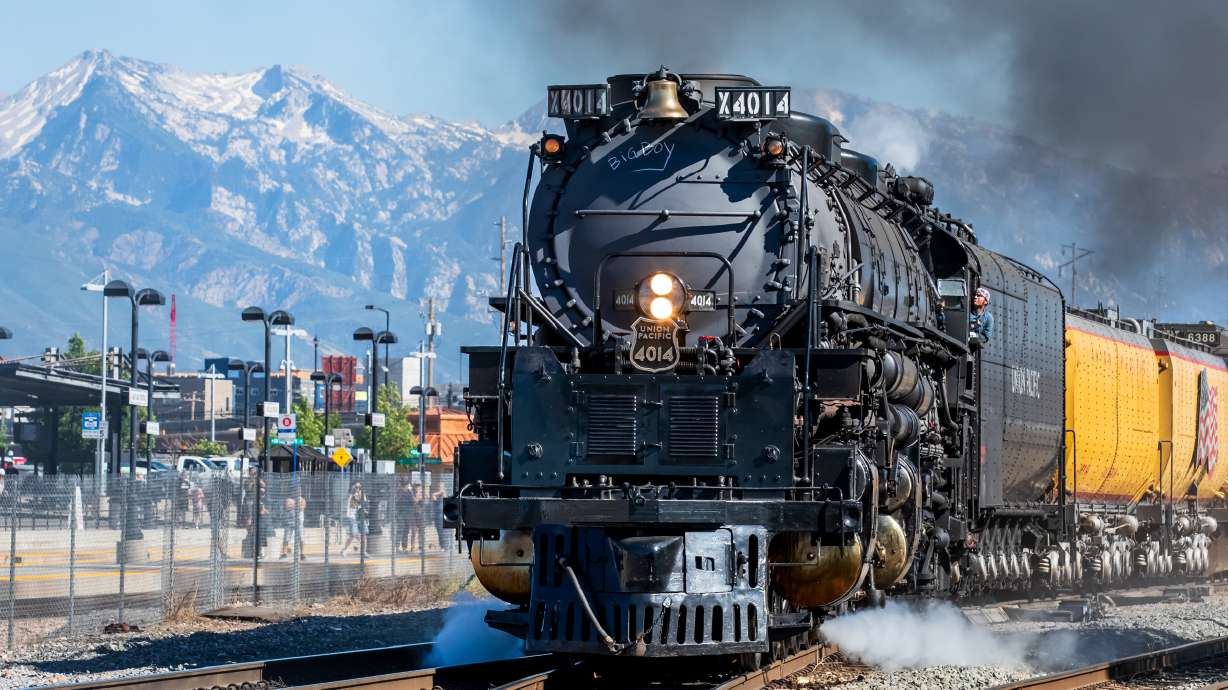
(194,464)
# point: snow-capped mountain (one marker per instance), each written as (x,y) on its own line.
(275,188)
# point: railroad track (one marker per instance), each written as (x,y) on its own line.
(1194,662)
(400,667)
(404,667)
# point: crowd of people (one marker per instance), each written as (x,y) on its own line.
(412,512)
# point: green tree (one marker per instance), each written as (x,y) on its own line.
(206,447)
(397,437)
(310,424)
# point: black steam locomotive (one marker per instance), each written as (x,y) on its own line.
(744,395)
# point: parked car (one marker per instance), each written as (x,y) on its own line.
(196,465)
(233,467)
(14,460)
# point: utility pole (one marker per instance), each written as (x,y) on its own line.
(285,365)
(1076,253)
(99,464)
(432,330)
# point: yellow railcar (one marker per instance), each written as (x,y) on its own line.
(1180,368)
(1113,410)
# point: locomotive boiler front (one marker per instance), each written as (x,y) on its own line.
(680,193)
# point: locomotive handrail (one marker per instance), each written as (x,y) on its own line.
(618,255)
(666,213)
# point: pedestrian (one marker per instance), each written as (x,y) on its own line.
(356,517)
(437,513)
(292,526)
(196,498)
(407,502)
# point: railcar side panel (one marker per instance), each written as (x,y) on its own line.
(1022,381)
(1112,402)
(1180,368)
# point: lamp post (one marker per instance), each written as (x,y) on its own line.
(212,375)
(247,368)
(328,380)
(381,338)
(5,334)
(274,318)
(387,326)
(136,298)
(98,286)
(150,358)
(423,392)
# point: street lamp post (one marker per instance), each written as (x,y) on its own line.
(136,298)
(387,326)
(381,338)
(274,318)
(5,334)
(150,358)
(423,392)
(99,469)
(327,380)
(247,368)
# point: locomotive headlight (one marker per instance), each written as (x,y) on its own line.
(660,308)
(661,296)
(661,284)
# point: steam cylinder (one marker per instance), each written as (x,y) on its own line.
(810,574)
(503,565)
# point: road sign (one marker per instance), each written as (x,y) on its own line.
(376,419)
(151,428)
(249,434)
(287,423)
(342,457)
(329,441)
(425,448)
(270,408)
(92,425)
(138,397)
(343,437)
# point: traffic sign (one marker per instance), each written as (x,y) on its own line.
(151,428)
(342,457)
(269,408)
(287,423)
(138,397)
(248,434)
(343,437)
(92,425)
(376,419)
(329,441)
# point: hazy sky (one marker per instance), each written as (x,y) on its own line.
(488,61)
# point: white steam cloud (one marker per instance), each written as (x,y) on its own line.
(933,634)
(892,136)
(465,638)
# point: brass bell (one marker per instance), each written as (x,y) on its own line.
(662,102)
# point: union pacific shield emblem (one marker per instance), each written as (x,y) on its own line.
(654,345)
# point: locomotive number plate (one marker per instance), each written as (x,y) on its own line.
(701,300)
(750,103)
(580,102)
(654,345)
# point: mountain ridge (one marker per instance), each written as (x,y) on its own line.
(274,187)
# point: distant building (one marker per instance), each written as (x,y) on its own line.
(342,395)
(403,374)
(446,429)
(199,398)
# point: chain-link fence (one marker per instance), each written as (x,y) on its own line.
(80,554)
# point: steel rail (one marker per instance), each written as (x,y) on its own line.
(779,670)
(400,667)
(1126,668)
